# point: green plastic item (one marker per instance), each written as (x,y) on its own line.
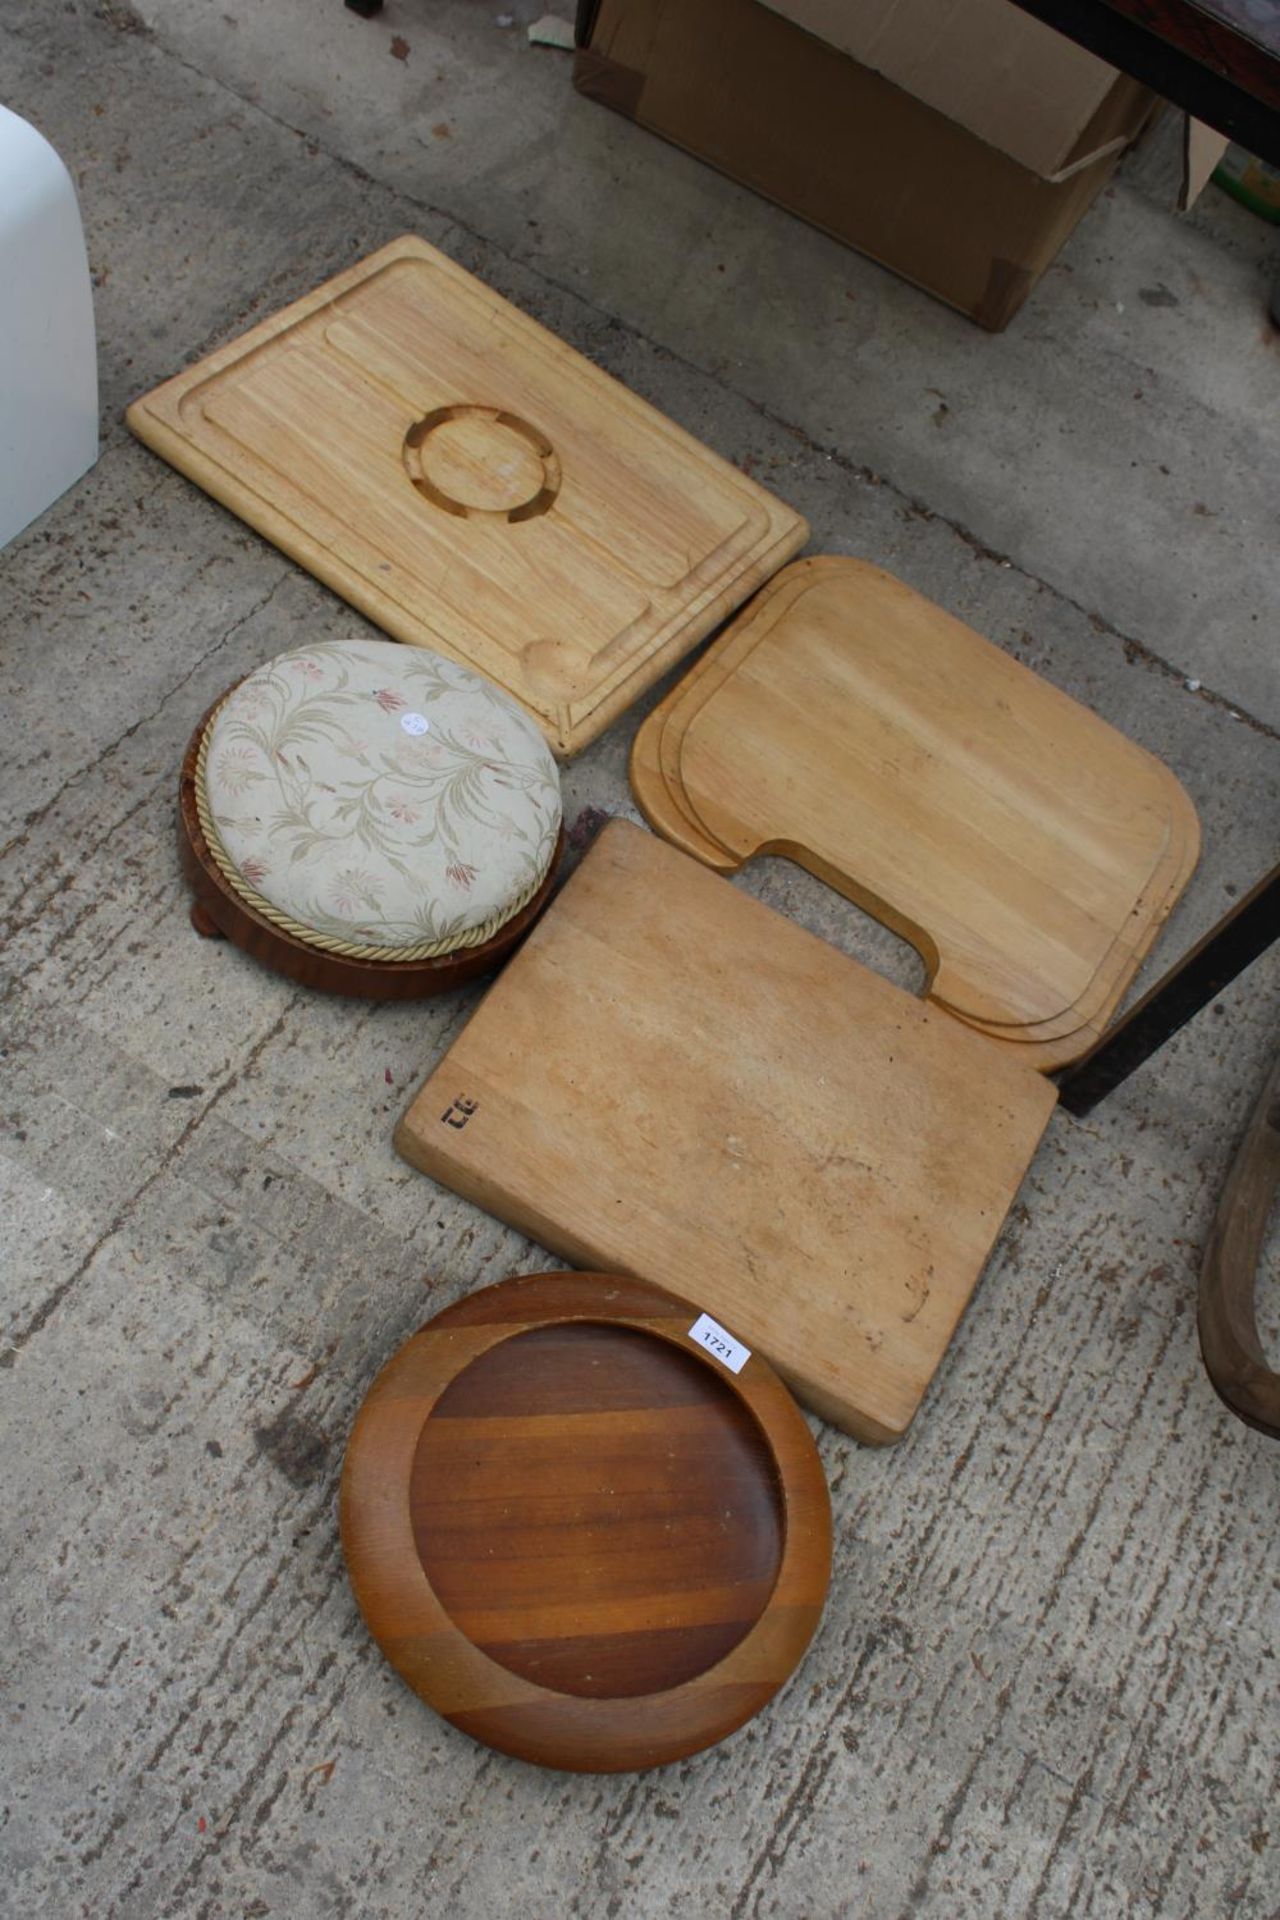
(1254,183)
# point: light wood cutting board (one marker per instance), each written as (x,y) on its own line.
(473,485)
(1045,1045)
(1028,850)
(673,1081)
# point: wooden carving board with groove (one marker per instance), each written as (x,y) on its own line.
(1028,850)
(473,485)
(673,1081)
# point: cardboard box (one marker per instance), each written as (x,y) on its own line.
(956,141)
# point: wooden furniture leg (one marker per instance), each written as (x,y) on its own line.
(1233,1354)
(205,925)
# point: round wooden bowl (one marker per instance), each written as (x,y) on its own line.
(219,910)
(575,1533)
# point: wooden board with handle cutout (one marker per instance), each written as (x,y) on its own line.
(1026,848)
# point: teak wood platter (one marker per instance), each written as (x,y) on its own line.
(473,485)
(575,1532)
(1023,846)
(674,1081)
(220,912)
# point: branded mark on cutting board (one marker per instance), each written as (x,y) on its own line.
(459,1112)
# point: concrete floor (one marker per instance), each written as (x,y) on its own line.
(1046,1681)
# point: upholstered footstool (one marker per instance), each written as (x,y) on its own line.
(369,819)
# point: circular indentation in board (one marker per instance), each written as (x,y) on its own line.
(556,668)
(475,461)
(575,1533)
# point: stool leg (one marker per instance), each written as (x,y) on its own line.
(207,929)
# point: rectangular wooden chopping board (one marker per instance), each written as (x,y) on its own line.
(473,485)
(674,1081)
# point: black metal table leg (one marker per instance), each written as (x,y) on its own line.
(1226,950)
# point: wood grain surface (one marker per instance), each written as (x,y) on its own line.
(674,1081)
(1024,847)
(473,485)
(219,910)
(575,1532)
(1045,1045)
(1042,1688)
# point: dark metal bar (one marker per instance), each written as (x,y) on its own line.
(1226,950)
(1188,53)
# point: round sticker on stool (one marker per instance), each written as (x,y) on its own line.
(415,723)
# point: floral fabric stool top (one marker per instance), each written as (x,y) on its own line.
(377,801)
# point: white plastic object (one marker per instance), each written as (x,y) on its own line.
(48,350)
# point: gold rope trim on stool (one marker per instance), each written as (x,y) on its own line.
(331,943)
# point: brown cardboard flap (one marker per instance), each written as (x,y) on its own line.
(1116,123)
(1202,149)
(996,71)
